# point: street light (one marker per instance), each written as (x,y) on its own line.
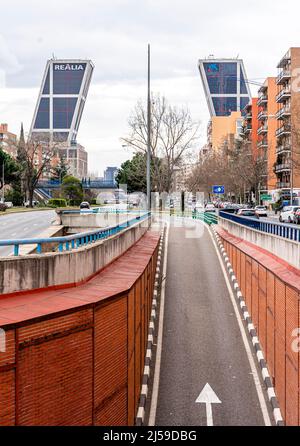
(148,136)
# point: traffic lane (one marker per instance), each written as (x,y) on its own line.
(23,225)
(202,341)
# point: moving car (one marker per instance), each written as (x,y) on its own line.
(288,214)
(247,213)
(85,205)
(261,211)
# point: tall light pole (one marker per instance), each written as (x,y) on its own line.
(149,137)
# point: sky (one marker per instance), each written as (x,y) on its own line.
(114,34)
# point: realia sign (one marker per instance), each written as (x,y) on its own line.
(68,67)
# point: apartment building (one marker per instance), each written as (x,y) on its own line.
(8,140)
(287,167)
(250,125)
(266,132)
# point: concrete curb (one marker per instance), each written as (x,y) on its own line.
(154,315)
(252,331)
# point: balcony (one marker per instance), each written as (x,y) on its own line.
(248,116)
(286,167)
(283,77)
(283,148)
(283,185)
(283,95)
(283,112)
(262,115)
(262,144)
(263,129)
(263,99)
(285,60)
(283,130)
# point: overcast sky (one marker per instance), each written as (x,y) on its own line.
(114,34)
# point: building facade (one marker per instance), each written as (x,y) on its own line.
(225,85)
(76,158)
(287,166)
(266,140)
(60,106)
(8,141)
(110,174)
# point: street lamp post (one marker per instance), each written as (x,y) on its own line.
(148,137)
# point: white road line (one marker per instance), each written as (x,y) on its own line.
(248,349)
(156,378)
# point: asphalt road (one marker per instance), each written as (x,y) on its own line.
(202,342)
(23,225)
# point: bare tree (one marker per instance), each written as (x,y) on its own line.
(36,160)
(173,134)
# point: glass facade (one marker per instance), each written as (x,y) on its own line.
(224,105)
(46,89)
(65,85)
(221,77)
(42,120)
(67,78)
(225,85)
(63,112)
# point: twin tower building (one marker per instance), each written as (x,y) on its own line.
(59,109)
(65,86)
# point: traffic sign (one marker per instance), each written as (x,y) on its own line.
(266,197)
(217,189)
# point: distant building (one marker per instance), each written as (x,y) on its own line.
(225,129)
(110,174)
(60,106)
(225,85)
(266,140)
(288,124)
(8,140)
(76,157)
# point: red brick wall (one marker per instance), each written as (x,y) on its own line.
(275,311)
(82,367)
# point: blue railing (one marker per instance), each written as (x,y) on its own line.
(92,184)
(280,229)
(69,242)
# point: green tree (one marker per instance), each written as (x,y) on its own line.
(72,190)
(60,171)
(133,172)
(11,169)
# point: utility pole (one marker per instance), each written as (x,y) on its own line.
(292,174)
(149,137)
(3,200)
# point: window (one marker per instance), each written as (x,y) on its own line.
(221,77)
(42,117)
(243,87)
(46,89)
(224,105)
(63,111)
(67,81)
(243,102)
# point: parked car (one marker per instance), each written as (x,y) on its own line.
(261,211)
(9,204)
(287,214)
(85,205)
(247,213)
(297,217)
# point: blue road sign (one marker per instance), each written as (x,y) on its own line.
(218,189)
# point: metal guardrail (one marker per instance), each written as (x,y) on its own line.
(208,217)
(69,242)
(280,229)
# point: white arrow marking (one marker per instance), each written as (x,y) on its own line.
(208,397)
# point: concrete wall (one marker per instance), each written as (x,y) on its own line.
(287,250)
(54,268)
(85,221)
